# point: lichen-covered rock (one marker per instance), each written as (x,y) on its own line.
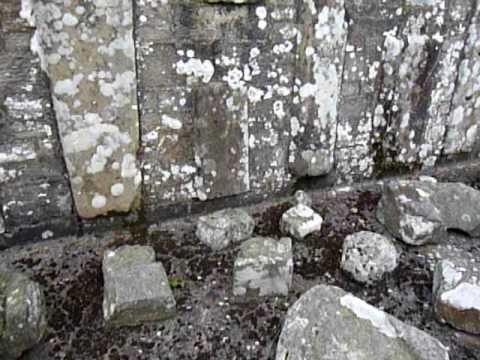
(456,294)
(223,228)
(420,212)
(368,256)
(87,49)
(136,288)
(300,221)
(22,314)
(302,198)
(328,323)
(2,225)
(265,266)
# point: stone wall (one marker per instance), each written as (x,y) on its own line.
(156,108)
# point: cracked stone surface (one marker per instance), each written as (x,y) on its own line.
(224,228)
(137,289)
(367,256)
(263,266)
(419,212)
(326,312)
(23,321)
(87,50)
(300,221)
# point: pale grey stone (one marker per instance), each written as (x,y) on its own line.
(368,256)
(2,225)
(265,266)
(137,289)
(302,198)
(22,314)
(456,293)
(359,330)
(224,228)
(420,212)
(90,61)
(300,221)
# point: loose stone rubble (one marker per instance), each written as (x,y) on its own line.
(22,314)
(224,228)
(329,323)
(368,256)
(263,266)
(136,287)
(456,293)
(300,221)
(420,212)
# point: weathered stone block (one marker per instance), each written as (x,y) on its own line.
(87,50)
(326,312)
(136,288)
(456,294)
(368,256)
(300,221)
(265,266)
(223,228)
(22,314)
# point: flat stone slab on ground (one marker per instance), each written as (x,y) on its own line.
(223,228)
(300,221)
(136,288)
(421,212)
(367,256)
(22,314)
(456,293)
(329,323)
(264,265)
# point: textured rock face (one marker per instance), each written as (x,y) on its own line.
(87,50)
(237,99)
(420,212)
(367,256)
(223,228)
(300,221)
(456,293)
(22,314)
(264,266)
(136,288)
(359,329)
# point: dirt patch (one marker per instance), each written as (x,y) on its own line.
(210,323)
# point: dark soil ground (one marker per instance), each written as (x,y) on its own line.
(210,322)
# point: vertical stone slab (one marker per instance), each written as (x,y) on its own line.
(268,80)
(360,120)
(320,62)
(444,78)
(463,122)
(411,54)
(221,141)
(87,50)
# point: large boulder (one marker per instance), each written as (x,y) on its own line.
(136,287)
(421,212)
(328,323)
(265,266)
(223,228)
(368,256)
(456,294)
(300,221)
(22,314)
